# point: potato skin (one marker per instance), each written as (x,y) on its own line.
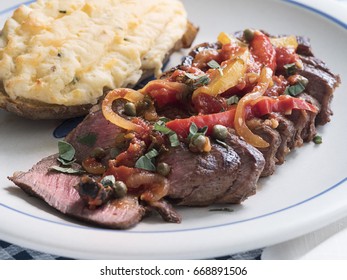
(41,111)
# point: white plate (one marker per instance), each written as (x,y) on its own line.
(306,193)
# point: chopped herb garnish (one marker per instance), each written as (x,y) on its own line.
(194,131)
(174,141)
(199,80)
(164,120)
(66,151)
(215,65)
(233,100)
(191,76)
(318,139)
(202,81)
(146,161)
(152,154)
(224,209)
(290,69)
(65,162)
(66,158)
(88,139)
(298,88)
(161,127)
(67,170)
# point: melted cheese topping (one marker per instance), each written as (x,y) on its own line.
(67,52)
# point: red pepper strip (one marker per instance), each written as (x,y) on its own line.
(263,51)
(283,103)
(264,105)
(165,92)
(181,126)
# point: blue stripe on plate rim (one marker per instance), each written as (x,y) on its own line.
(331,188)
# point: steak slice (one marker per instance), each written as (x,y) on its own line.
(322,83)
(304,46)
(252,164)
(270,135)
(57,190)
(94,131)
(309,130)
(286,130)
(304,122)
(199,179)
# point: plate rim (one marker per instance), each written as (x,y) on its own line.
(336,185)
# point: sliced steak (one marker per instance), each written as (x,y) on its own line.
(199,179)
(57,189)
(286,130)
(304,46)
(273,137)
(304,124)
(309,130)
(322,83)
(252,164)
(166,211)
(94,131)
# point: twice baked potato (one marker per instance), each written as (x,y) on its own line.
(58,57)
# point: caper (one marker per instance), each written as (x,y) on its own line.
(163,169)
(198,143)
(318,139)
(220,132)
(248,34)
(98,153)
(130,109)
(120,189)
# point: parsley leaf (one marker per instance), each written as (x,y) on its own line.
(174,141)
(290,69)
(199,80)
(66,170)
(161,127)
(146,161)
(233,100)
(194,131)
(215,65)
(66,151)
(88,139)
(296,89)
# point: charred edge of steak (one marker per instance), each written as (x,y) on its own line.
(321,86)
(322,82)
(252,165)
(271,136)
(212,174)
(287,131)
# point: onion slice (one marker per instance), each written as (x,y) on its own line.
(121,93)
(241,110)
(156,186)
